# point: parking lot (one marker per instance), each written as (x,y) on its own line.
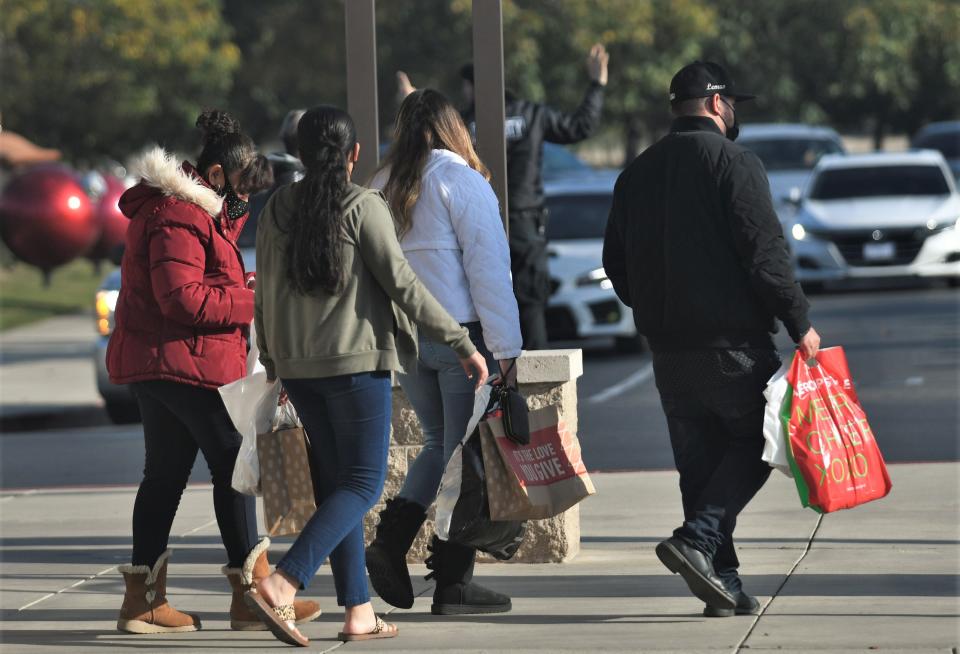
(901,341)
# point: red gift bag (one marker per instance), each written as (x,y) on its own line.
(832,451)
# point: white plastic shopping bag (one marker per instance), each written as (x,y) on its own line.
(253,354)
(774,431)
(252,405)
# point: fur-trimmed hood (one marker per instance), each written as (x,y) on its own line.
(161,173)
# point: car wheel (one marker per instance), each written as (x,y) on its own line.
(953,282)
(630,344)
(812,288)
(123,413)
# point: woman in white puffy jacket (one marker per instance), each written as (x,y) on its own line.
(450,229)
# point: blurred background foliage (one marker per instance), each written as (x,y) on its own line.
(105,77)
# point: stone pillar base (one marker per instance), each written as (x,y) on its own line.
(545,377)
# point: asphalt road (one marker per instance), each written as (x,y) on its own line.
(903,346)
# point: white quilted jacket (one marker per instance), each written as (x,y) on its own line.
(458,249)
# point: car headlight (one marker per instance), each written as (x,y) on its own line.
(934,225)
(596,277)
(798,232)
(106,304)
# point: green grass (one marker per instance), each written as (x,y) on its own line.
(24,298)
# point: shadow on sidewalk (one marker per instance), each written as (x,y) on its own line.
(67,639)
(53,417)
(817,542)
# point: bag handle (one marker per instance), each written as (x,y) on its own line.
(285,414)
(502,381)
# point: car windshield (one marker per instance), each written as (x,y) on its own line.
(791,154)
(843,183)
(948,143)
(578,216)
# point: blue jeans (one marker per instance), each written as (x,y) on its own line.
(442,397)
(347,419)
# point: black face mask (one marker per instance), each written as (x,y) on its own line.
(733,131)
(236,207)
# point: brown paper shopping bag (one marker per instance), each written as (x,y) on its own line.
(288,500)
(538,480)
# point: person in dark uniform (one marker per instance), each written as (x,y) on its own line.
(694,246)
(528,125)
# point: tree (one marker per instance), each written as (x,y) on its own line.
(103,77)
(871,65)
(546,42)
(292,57)
(900,68)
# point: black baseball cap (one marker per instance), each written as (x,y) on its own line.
(702,79)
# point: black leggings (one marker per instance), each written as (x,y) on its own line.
(178,420)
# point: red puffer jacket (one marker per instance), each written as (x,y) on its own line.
(184,310)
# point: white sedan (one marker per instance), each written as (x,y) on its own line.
(878,215)
(582,302)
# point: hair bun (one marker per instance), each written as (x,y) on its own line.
(216,123)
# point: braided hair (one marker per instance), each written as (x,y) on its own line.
(326,136)
(225,143)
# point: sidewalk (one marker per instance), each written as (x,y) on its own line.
(883,577)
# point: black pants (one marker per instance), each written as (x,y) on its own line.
(531,276)
(716,431)
(179,420)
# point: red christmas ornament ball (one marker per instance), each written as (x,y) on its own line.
(46,219)
(113,224)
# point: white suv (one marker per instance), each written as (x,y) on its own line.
(878,215)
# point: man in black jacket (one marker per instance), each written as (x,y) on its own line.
(694,246)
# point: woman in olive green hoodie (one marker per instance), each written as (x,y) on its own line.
(334,292)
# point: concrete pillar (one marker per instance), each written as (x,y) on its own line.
(488,84)
(545,377)
(361,39)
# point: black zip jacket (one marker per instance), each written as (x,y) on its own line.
(694,246)
(528,125)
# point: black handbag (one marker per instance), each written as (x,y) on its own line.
(516,421)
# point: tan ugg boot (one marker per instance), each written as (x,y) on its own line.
(256,567)
(145,609)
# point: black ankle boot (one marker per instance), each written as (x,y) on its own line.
(399,523)
(456,594)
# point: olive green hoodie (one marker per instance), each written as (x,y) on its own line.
(364,328)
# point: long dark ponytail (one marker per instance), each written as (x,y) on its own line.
(326,137)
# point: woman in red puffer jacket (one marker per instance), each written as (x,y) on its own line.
(181,332)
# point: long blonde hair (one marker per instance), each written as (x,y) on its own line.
(427,121)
